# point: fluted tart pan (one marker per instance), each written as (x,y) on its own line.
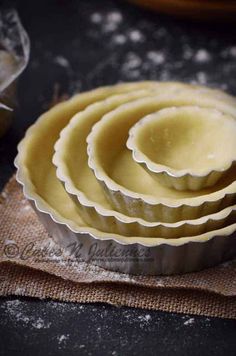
(60,215)
(185,148)
(128,187)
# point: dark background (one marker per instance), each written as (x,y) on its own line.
(78,45)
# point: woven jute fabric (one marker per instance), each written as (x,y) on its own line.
(31,265)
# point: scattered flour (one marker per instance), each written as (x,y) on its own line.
(156,62)
(119,39)
(136,36)
(145,318)
(232,51)
(132,61)
(143,321)
(15,309)
(156,57)
(109,22)
(202,56)
(40,324)
(114,17)
(190,321)
(4,195)
(62,338)
(96,18)
(62,61)
(131,36)
(27,208)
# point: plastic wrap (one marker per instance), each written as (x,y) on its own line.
(14,56)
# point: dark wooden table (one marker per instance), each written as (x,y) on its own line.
(77,45)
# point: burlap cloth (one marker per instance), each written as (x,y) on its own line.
(50,275)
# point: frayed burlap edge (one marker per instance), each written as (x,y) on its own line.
(172,294)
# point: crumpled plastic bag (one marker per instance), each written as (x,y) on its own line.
(14,57)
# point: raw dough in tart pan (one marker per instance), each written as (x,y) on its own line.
(128,187)
(60,215)
(71,159)
(185,148)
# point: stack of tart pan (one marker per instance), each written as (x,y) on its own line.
(141,176)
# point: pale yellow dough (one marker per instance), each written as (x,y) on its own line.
(188,139)
(38,174)
(185,148)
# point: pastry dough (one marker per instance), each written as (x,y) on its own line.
(128,187)
(187,148)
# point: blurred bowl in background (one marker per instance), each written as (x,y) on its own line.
(207,10)
(14,56)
